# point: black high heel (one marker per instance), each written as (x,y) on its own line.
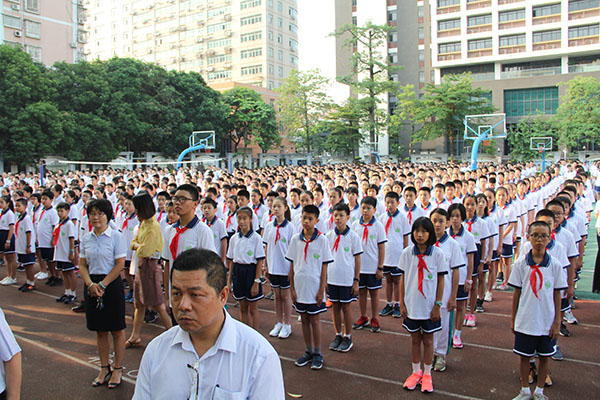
(97,383)
(115,385)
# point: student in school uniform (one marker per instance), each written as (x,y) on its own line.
(307,198)
(45,227)
(397,231)
(25,243)
(309,253)
(258,207)
(63,241)
(538,279)
(409,210)
(335,197)
(457,214)
(343,276)
(295,206)
(439,197)
(500,222)
(424,200)
(422,287)
(267,217)
(484,215)
(277,238)
(130,221)
(35,207)
(509,211)
(7,240)
(209,209)
(352,194)
(243,199)
(455,261)
(230,218)
(372,234)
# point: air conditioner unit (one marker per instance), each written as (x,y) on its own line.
(15,7)
(149,51)
(18,34)
(228,49)
(227,66)
(73,45)
(210,69)
(182,59)
(172,46)
(228,33)
(227,17)
(199,39)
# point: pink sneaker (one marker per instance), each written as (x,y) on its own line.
(470,321)
(413,380)
(427,384)
(457,342)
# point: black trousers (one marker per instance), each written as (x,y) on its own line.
(596,282)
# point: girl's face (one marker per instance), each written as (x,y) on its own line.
(161,202)
(3,204)
(481,205)
(439,224)
(294,198)
(62,213)
(34,201)
(172,215)
(501,197)
(231,205)
(470,205)
(490,199)
(242,201)
(255,198)
(129,206)
(244,221)
(421,236)
(278,209)
(85,197)
(270,202)
(305,199)
(455,219)
(68,199)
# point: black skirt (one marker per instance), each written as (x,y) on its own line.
(111,317)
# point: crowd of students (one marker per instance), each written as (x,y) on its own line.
(443,237)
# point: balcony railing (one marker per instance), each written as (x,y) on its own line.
(503,2)
(519,48)
(511,24)
(546,19)
(448,9)
(479,53)
(584,41)
(584,68)
(448,33)
(554,44)
(587,13)
(479,28)
(449,56)
(479,4)
(527,73)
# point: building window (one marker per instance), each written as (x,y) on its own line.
(270,35)
(249,4)
(480,44)
(446,3)
(354,20)
(449,24)
(214,12)
(213,44)
(11,22)
(421,76)
(32,6)
(393,57)
(270,19)
(392,15)
(549,9)
(271,52)
(253,19)
(523,102)
(393,36)
(251,53)
(583,31)
(279,38)
(35,52)
(453,47)
(420,11)
(280,55)
(513,15)
(32,29)
(421,33)
(293,13)
(293,44)
(293,59)
(293,28)
(576,5)
(479,20)
(279,6)
(421,55)
(271,69)
(248,37)
(512,40)
(221,58)
(280,71)
(546,36)
(251,70)
(271,85)
(219,75)
(218,27)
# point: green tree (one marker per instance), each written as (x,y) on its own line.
(578,116)
(249,118)
(405,115)
(443,108)
(519,138)
(343,126)
(372,72)
(303,103)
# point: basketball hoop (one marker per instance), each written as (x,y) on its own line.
(486,142)
(541,149)
(207,150)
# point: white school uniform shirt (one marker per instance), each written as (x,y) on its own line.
(411,214)
(100,252)
(340,271)
(127,226)
(267,218)
(354,214)
(565,237)
(308,257)
(454,260)
(493,230)
(555,250)
(440,204)
(217,227)
(241,364)
(369,259)
(230,221)
(510,213)
(297,222)
(295,210)
(479,229)
(396,231)
(427,210)
(580,223)
(24,225)
(66,231)
(47,221)
(8,348)
(259,210)
(535,313)
(197,235)
(277,246)
(74,216)
(35,216)
(573,228)
(466,242)
(246,249)
(7,218)
(419,305)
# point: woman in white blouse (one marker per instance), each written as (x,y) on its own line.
(102,259)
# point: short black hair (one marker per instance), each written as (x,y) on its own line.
(538,223)
(410,189)
(144,206)
(191,189)
(201,259)
(424,223)
(208,200)
(441,212)
(544,212)
(555,203)
(164,194)
(245,210)
(392,195)
(102,205)
(311,209)
(243,193)
(48,193)
(370,201)
(341,206)
(22,201)
(461,209)
(425,189)
(63,206)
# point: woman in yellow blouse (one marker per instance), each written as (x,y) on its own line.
(147,291)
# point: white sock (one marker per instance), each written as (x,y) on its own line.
(416,367)
(349,336)
(389,303)
(66,292)
(457,333)
(526,390)
(32,283)
(539,390)
(426,369)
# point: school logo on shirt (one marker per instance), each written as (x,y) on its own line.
(250,253)
(215,235)
(397,230)
(282,240)
(430,276)
(476,234)
(63,234)
(547,285)
(317,256)
(189,246)
(372,237)
(346,249)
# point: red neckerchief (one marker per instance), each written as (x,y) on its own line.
(270,217)
(438,203)
(409,214)
(388,223)
(175,241)
(533,279)
(337,240)
(228,223)
(37,208)
(56,232)
(421,266)
(309,241)
(160,215)
(255,208)
(126,222)
(18,221)
(470,223)
(43,211)
(365,235)
(277,235)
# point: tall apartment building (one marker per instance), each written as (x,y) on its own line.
(49,31)
(518,49)
(247,41)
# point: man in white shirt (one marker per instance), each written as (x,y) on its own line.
(209,355)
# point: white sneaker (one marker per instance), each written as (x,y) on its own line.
(523,396)
(276,330)
(286,331)
(3,280)
(8,281)
(570,318)
(41,275)
(488,296)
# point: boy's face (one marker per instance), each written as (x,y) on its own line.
(371,193)
(308,221)
(46,201)
(187,206)
(410,198)
(439,193)
(294,198)
(20,208)
(172,215)
(424,197)
(391,204)
(367,211)
(439,224)
(352,197)
(161,202)
(559,213)
(340,219)
(244,221)
(34,201)
(243,201)
(548,220)
(209,211)
(318,197)
(450,193)
(539,237)
(62,213)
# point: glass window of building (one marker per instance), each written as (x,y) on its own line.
(576,5)
(583,31)
(475,20)
(480,44)
(548,9)
(512,15)
(512,40)
(523,102)
(546,36)
(453,47)
(449,24)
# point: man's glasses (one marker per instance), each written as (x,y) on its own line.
(180,199)
(536,236)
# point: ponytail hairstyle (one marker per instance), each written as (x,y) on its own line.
(287,214)
(482,196)
(8,201)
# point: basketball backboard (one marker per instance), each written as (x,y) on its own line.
(541,143)
(488,126)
